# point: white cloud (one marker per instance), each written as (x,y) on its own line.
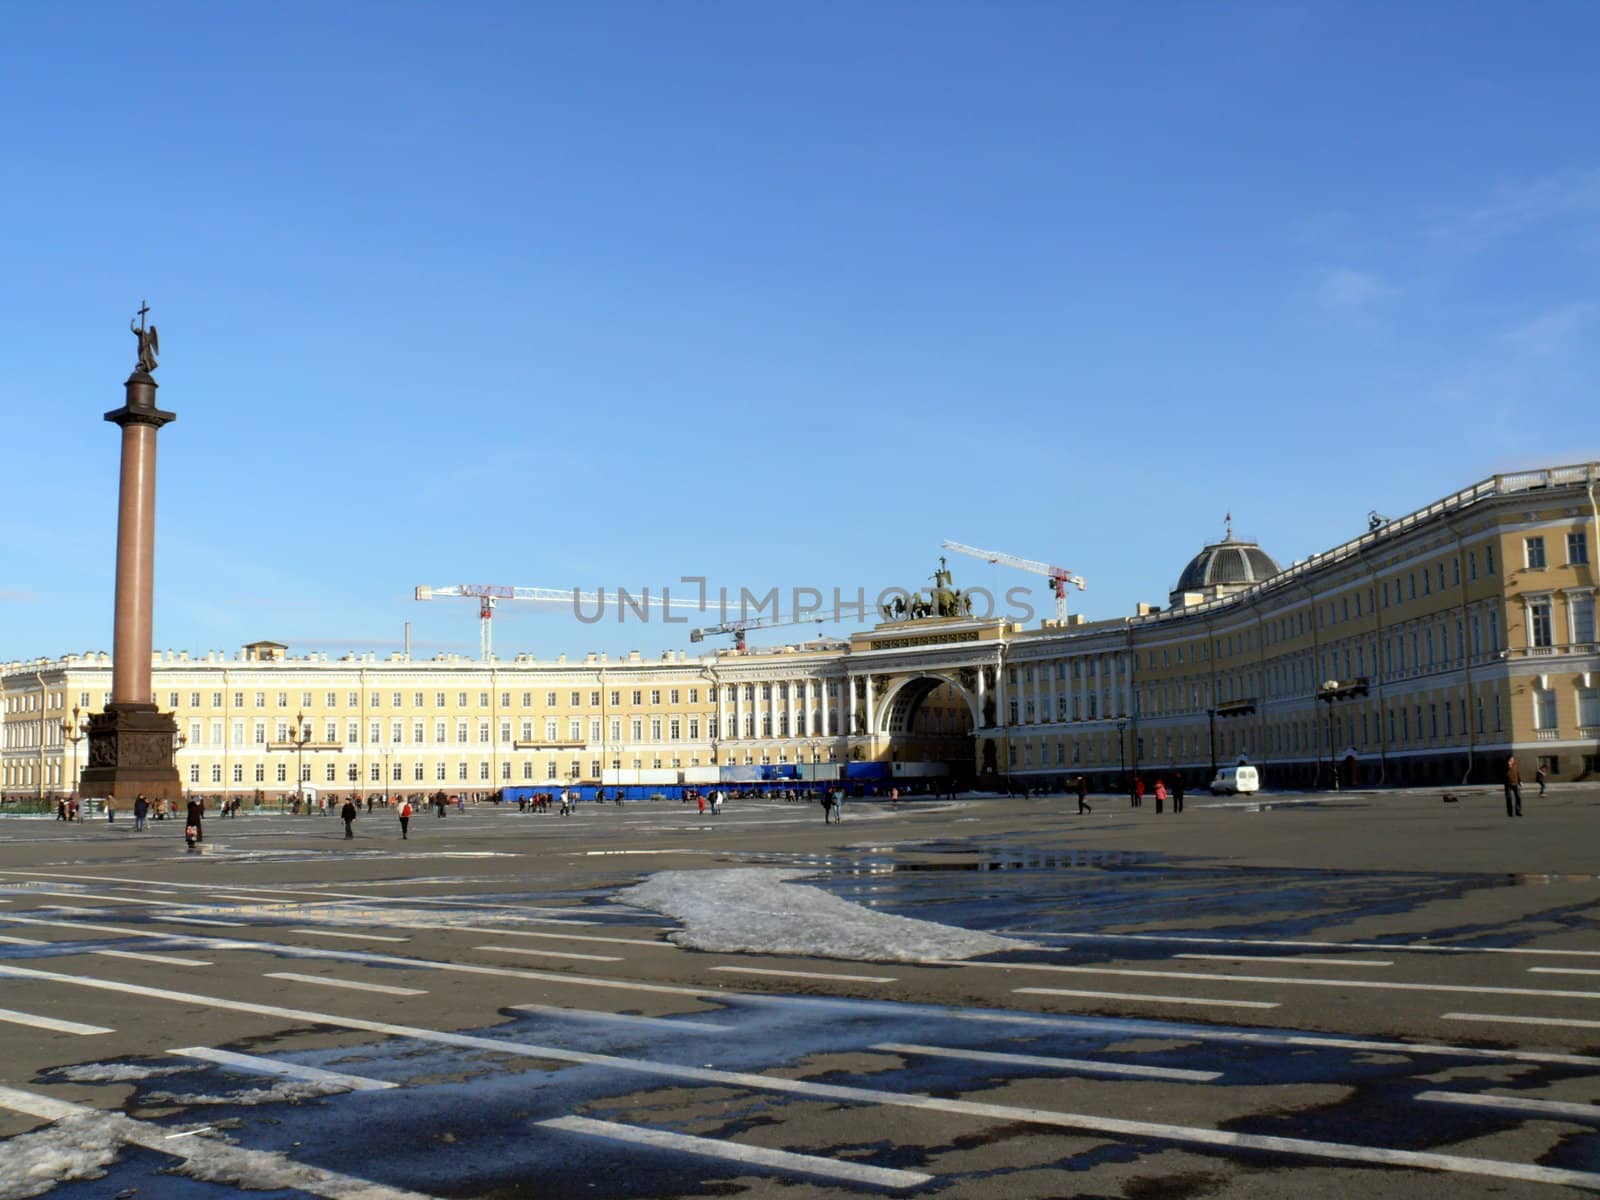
(1548,332)
(1517,206)
(1347,289)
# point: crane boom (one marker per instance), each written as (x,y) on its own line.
(1059,577)
(490,594)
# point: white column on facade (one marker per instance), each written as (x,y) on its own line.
(827,724)
(738,711)
(850,683)
(721,713)
(1001,716)
(763,707)
(982,691)
(1038,693)
(787,715)
(870,726)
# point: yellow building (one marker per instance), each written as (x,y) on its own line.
(1424,651)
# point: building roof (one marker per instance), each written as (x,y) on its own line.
(1228,563)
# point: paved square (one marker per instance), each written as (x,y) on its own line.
(1352,995)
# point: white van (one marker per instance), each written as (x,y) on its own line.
(1234,780)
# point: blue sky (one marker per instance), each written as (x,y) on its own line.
(781,295)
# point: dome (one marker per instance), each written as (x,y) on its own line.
(1229,563)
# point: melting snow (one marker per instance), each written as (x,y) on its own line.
(290,1091)
(116,1072)
(760,910)
(31,1164)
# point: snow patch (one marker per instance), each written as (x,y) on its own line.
(760,910)
(289,1091)
(116,1072)
(80,1147)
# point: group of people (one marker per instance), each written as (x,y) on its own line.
(1136,793)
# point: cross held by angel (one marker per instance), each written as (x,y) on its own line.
(149,342)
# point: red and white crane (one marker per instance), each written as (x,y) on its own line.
(490,594)
(1059,577)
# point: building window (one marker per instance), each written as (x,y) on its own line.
(655,696)
(1544,709)
(1582,613)
(1539,635)
(1589,708)
(574,730)
(1577,548)
(550,730)
(1533,553)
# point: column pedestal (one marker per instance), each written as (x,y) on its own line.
(130,751)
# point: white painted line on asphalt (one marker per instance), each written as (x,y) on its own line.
(233,1160)
(272,1066)
(1537,1108)
(1129,1026)
(1389,947)
(1384,985)
(352,937)
(1562,971)
(115,899)
(168,960)
(563,937)
(202,921)
(1177,1134)
(549,953)
(285,949)
(1133,1070)
(22,941)
(674,1024)
(1291,960)
(1567,1022)
(13,1017)
(1145,999)
(807,974)
(756,1156)
(323,980)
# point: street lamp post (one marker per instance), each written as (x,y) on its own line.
(75,731)
(299,739)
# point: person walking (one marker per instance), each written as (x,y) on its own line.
(141,809)
(1161,794)
(348,815)
(1177,792)
(700,799)
(405,817)
(1541,775)
(194,823)
(716,803)
(1138,791)
(1083,794)
(111,810)
(1513,787)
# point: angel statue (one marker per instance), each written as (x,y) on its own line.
(149,343)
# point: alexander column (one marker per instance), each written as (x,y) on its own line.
(131,744)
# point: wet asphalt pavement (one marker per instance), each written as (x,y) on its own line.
(1353,995)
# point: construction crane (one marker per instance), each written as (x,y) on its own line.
(1059,577)
(740,628)
(490,594)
